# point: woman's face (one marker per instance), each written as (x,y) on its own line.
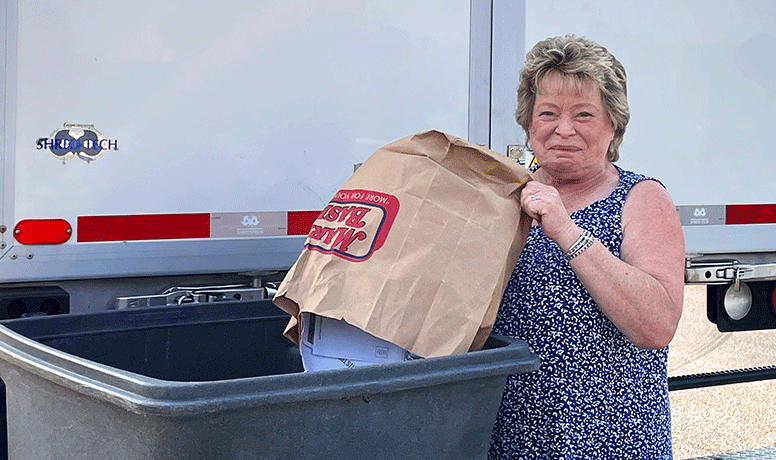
(570,130)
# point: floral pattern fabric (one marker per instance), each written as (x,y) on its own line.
(596,395)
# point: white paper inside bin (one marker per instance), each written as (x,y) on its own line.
(336,344)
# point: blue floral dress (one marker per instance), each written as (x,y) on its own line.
(596,395)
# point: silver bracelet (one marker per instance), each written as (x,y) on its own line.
(584,241)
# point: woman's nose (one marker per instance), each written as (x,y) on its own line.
(565,126)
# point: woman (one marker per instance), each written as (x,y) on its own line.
(598,289)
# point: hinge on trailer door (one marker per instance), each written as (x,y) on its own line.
(726,271)
(203,294)
(180,296)
(157,300)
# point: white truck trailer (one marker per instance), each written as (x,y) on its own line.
(164,151)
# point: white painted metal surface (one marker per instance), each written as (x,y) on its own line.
(210,107)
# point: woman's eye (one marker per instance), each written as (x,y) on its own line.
(585,114)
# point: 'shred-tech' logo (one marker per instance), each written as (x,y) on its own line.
(354,225)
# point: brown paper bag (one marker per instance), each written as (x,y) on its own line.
(417,246)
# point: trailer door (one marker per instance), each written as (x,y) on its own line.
(170,136)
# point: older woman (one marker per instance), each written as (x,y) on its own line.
(598,289)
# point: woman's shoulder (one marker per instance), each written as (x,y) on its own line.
(651,193)
(629,179)
(647,199)
(639,186)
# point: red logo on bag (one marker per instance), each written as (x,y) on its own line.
(354,225)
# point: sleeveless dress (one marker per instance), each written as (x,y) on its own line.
(596,395)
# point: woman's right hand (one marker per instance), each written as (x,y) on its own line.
(543,204)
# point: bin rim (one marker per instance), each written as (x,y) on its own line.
(151,396)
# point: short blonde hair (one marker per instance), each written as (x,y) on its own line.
(582,60)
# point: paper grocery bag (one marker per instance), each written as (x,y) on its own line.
(417,246)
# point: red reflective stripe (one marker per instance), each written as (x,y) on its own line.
(300,222)
(750,214)
(143,227)
(42,231)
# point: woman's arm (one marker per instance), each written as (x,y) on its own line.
(641,292)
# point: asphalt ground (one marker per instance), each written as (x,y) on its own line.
(708,422)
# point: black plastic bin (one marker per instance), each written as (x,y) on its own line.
(218,381)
